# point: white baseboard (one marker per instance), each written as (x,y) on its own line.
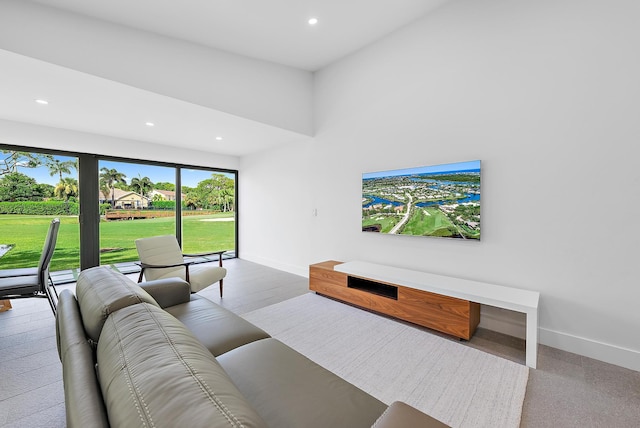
(294,269)
(514,324)
(606,352)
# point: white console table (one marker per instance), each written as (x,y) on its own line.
(513,299)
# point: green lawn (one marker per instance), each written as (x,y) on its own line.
(385,221)
(117,238)
(428,221)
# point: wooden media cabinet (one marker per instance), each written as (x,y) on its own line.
(447,304)
(450,315)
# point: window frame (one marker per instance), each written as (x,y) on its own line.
(88,182)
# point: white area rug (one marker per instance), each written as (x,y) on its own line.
(390,360)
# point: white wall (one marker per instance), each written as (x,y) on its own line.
(30,135)
(275,207)
(546,94)
(258,90)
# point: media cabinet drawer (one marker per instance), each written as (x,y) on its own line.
(355,297)
(435,302)
(429,316)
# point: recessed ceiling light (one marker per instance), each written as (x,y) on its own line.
(312,21)
(219,138)
(41,101)
(150,124)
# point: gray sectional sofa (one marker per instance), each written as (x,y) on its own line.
(155,355)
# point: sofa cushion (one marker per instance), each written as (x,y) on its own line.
(154,372)
(289,390)
(217,328)
(102,291)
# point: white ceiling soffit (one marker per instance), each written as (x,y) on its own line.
(272,30)
(82,102)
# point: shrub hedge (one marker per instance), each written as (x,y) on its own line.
(44,208)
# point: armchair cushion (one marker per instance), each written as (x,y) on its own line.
(8,273)
(161,251)
(165,251)
(19,285)
(203,275)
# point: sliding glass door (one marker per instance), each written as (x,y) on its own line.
(208,211)
(136,201)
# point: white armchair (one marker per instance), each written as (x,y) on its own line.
(161,257)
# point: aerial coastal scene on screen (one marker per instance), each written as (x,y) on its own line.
(440,200)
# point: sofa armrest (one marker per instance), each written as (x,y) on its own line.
(400,415)
(83,399)
(168,291)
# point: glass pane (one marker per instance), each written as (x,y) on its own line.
(135,202)
(208,214)
(34,189)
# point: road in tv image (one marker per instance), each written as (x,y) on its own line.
(441,200)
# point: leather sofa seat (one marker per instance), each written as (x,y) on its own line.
(261,368)
(219,329)
(156,355)
(154,372)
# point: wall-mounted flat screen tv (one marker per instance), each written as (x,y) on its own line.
(440,200)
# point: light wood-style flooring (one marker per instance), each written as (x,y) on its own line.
(567,390)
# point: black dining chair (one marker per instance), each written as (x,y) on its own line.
(36,281)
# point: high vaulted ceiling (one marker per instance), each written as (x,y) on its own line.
(270,30)
(273,30)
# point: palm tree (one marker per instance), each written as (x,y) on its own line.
(190,200)
(109,178)
(56,166)
(227,200)
(141,185)
(67,188)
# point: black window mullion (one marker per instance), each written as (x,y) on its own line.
(89,211)
(179,206)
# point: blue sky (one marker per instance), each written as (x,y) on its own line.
(190,177)
(449,167)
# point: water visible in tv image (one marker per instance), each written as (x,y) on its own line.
(440,200)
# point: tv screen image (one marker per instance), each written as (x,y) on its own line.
(439,200)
